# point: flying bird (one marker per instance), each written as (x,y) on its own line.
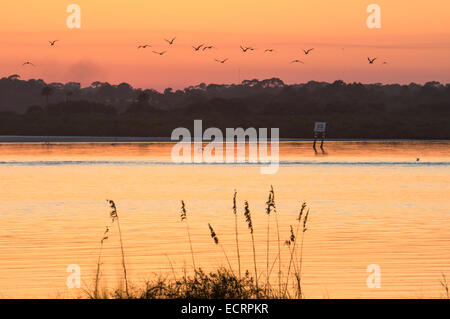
(297,61)
(52,43)
(245,49)
(221,61)
(160,53)
(197,47)
(268,50)
(307,51)
(28,63)
(209,47)
(170,41)
(371,60)
(144,46)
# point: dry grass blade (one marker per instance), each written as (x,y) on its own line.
(248,219)
(115,216)
(293,251)
(444,285)
(216,241)
(97,275)
(236,232)
(213,234)
(184,218)
(269,205)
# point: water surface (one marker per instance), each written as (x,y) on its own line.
(383,203)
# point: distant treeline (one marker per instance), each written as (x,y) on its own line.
(352,110)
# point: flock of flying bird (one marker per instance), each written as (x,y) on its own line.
(204,47)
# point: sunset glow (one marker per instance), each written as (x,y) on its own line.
(413,39)
(239,151)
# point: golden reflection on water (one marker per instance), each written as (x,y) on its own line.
(371,203)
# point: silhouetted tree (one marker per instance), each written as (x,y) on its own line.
(354,110)
(68,94)
(14,77)
(46,91)
(143,98)
(35,109)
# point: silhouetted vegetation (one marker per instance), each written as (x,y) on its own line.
(223,283)
(352,110)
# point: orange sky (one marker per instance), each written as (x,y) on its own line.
(413,39)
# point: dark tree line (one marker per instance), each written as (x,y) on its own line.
(353,110)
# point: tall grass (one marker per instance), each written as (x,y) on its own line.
(298,275)
(271,205)
(97,274)
(115,216)
(236,232)
(184,218)
(223,282)
(248,219)
(268,210)
(216,241)
(444,285)
(293,241)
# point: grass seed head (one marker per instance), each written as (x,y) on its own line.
(270,204)
(213,234)
(248,217)
(113,213)
(301,211)
(234,203)
(105,235)
(304,221)
(183,211)
(292,238)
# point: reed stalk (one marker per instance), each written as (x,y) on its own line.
(248,219)
(278,236)
(290,242)
(97,275)
(445,285)
(115,216)
(268,210)
(184,218)
(216,241)
(294,238)
(299,276)
(171,267)
(236,232)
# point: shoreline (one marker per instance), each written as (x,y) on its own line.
(124,139)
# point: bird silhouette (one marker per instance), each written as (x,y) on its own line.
(52,43)
(209,47)
(245,49)
(197,47)
(170,41)
(297,61)
(28,63)
(269,50)
(221,61)
(307,51)
(144,46)
(160,53)
(371,60)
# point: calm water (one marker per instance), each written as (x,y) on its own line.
(371,203)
